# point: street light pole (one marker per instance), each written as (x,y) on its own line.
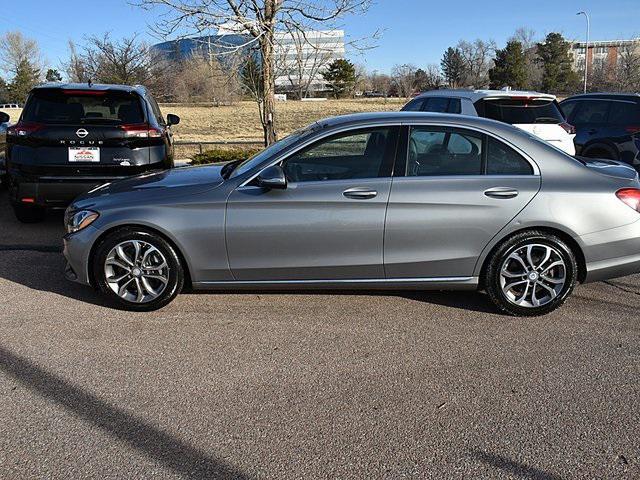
(586,49)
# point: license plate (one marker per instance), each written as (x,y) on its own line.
(84,154)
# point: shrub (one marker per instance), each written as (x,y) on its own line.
(223,155)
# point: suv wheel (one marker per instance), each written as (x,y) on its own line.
(28,213)
(137,270)
(531,274)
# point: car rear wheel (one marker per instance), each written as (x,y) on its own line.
(137,270)
(531,274)
(28,213)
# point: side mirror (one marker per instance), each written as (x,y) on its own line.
(272,177)
(173,119)
(4,117)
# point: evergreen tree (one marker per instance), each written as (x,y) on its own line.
(510,67)
(453,67)
(53,75)
(4,91)
(558,75)
(26,77)
(341,77)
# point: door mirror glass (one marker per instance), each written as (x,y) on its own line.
(173,119)
(4,117)
(272,177)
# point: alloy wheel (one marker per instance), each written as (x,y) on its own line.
(533,275)
(136,271)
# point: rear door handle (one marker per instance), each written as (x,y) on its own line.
(501,192)
(359,193)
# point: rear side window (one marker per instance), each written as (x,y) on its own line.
(58,106)
(522,110)
(435,151)
(591,111)
(624,113)
(568,108)
(504,160)
(436,104)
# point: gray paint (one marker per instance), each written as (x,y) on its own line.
(418,232)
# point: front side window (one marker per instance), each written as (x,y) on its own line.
(365,153)
(624,113)
(437,151)
(568,108)
(504,160)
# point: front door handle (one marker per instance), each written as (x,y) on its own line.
(501,192)
(359,193)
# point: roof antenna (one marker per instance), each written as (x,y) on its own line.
(89,83)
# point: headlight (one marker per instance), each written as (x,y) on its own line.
(79,219)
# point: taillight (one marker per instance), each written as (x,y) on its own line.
(633,129)
(141,131)
(570,129)
(630,196)
(22,129)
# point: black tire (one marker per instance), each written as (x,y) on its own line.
(28,213)
(175,273)
(515,244)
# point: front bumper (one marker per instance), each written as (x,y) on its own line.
(77,251)
(612,253)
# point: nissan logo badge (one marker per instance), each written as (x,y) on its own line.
(81,132)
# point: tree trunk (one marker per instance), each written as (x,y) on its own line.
(268,75)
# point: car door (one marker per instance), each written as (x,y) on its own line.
(328,223)
(457,190)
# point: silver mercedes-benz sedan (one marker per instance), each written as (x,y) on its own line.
(373,201)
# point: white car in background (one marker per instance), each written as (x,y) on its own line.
(534,112)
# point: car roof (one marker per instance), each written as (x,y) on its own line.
(475,95)
(91,86)
(604,95)
(369,118)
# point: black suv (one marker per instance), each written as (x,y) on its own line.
(607,125)
(73,137)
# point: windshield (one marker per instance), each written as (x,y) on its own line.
(523,111)
(60,106)
(270,151)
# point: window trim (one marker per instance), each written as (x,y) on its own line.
(402,156)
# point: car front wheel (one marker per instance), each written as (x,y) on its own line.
(531,274)
(137,270)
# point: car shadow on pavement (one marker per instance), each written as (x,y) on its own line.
(511,467)
(156,444)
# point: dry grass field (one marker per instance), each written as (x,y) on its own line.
(240,121)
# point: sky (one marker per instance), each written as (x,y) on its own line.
(412,31)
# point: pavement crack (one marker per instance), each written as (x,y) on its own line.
(620,287)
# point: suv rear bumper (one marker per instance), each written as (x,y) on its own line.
(54,192)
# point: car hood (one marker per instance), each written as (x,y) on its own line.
(176,181)
(611,168)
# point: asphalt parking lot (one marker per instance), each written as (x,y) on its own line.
(418,385)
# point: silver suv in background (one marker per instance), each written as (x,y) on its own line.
(536,113)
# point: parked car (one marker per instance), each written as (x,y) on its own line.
(607,125)
(4,124)
(536,113)
(372,201)
(72,137)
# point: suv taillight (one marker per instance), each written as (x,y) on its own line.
(630,196)
(633,129)
(22,129)
(570,129)
(141,130)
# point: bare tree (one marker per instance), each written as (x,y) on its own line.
(477,56)
(15,49)
(379,83)
(259,20)
(403,77)
(627,70)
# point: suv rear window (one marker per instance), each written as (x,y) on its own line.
(519,111)
(57,106)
